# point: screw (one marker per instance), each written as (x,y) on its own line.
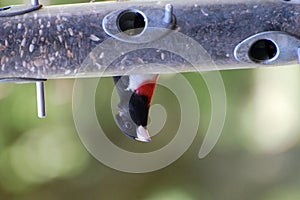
(168,13)
(40,96)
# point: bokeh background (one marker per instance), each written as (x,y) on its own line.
(257,156)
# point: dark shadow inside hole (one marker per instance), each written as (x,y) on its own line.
(262,51)
(131,22)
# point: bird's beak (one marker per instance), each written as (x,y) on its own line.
(142,134)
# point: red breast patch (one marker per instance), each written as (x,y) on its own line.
(146,90)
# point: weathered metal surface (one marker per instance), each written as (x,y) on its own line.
(54,41)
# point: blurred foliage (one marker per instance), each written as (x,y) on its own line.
(257,156)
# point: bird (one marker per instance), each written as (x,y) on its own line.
(135,94)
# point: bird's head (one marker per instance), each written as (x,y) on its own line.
(135,97)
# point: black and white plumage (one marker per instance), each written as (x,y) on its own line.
(135,92)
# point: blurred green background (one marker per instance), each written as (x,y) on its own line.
(257,156)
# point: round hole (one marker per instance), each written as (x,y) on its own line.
(5,8)
(263,51)
(132,22)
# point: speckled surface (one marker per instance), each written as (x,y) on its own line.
(54,41)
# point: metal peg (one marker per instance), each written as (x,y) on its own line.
(40,90)
(168,13)
(40,95)
(35,2)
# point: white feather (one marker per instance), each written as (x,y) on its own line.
(135,81)
(142,134)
